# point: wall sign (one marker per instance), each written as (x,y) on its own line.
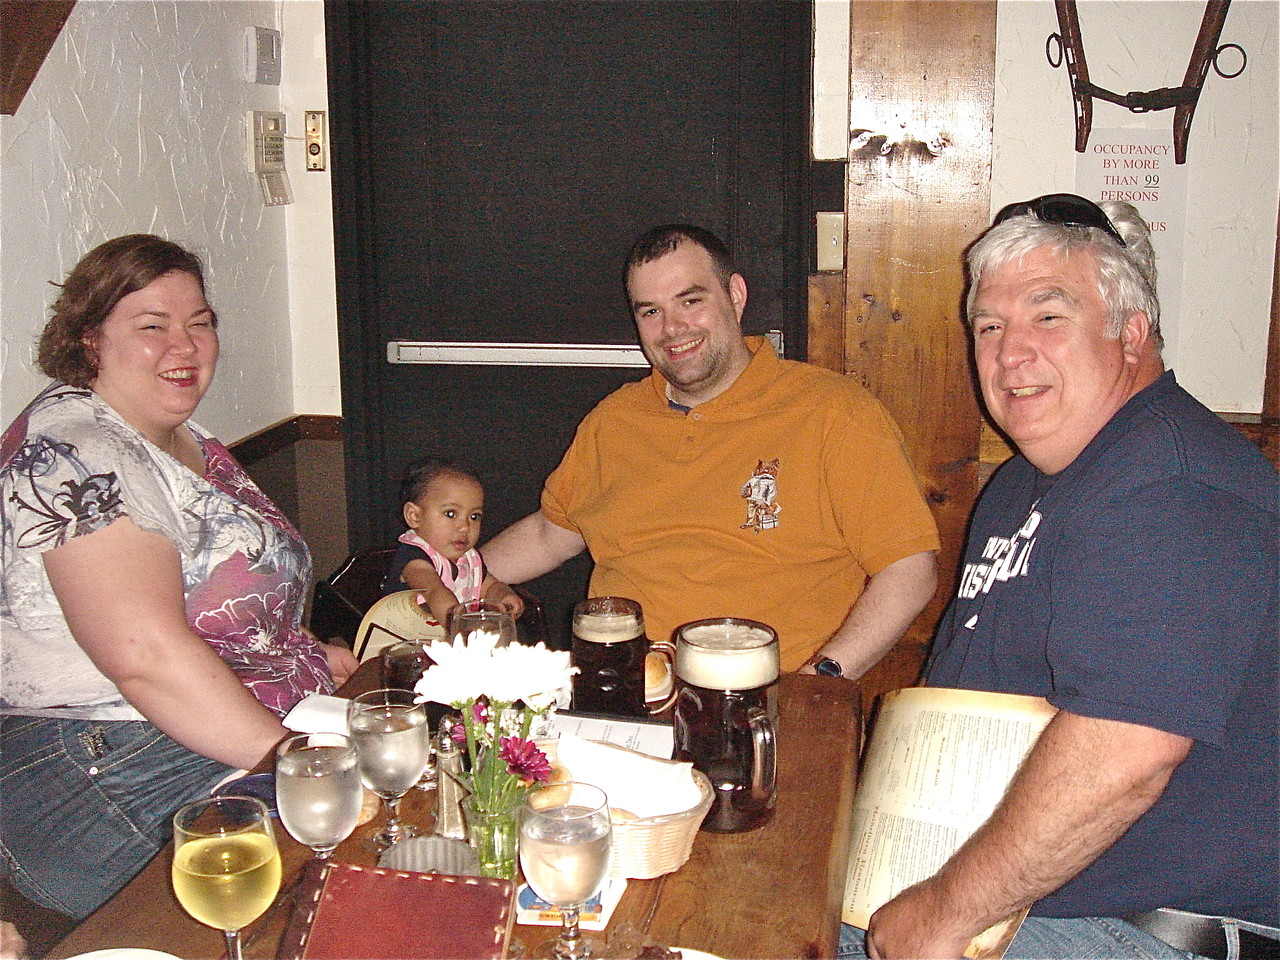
(1137,166)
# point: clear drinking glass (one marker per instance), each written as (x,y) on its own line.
(472,615)
(393,743)
(226,866)
(318,792)
(565,839)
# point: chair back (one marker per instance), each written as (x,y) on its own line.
(342,600)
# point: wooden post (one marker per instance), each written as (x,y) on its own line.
(918,192)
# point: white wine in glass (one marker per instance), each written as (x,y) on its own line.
(393,742)
(318,791)
(565,839)
(226,867)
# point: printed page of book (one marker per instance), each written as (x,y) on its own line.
(936,765)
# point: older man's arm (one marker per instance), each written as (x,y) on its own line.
(529,548)
(1084,784)
(891,600)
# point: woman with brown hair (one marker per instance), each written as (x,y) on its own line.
(150,594)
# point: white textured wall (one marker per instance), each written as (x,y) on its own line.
(136,123)
(1232,170)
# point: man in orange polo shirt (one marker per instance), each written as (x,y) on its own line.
(734,483)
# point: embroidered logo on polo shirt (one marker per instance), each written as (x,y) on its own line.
(761,494)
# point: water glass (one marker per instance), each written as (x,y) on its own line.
(318,791)
(393,743)
(565,840)
(483,615)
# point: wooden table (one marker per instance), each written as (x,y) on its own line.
(773,892)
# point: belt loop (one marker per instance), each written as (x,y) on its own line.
(1232,930)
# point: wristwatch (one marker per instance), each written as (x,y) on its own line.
(826,667)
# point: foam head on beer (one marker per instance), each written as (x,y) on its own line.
(727,654)
(607,627)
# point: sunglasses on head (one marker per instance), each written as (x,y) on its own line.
(1064,208)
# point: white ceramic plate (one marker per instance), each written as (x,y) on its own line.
(687,954)
(125,953)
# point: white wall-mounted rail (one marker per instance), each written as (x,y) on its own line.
(516,354)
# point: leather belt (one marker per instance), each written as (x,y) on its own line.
(1202,935)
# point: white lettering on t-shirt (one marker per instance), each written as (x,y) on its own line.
(1002,558)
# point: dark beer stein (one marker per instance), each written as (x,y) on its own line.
(610,651)
(726,715)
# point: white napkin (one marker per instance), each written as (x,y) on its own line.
(318,713)
(644,786)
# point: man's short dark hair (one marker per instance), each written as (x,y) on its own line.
(659,241)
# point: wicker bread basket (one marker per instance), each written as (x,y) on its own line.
(647,847)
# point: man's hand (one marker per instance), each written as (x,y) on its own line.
(915,924)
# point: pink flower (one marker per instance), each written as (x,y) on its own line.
(458,733)
(525,760)
(480,713)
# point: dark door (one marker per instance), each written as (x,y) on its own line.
(492,163)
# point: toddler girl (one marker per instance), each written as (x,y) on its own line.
(443,505)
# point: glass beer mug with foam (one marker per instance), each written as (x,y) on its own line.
(611,652)
(726,715)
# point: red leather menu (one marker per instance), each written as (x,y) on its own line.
(347,912)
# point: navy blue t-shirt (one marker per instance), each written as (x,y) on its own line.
(1140,584)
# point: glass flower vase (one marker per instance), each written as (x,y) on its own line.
(493,836)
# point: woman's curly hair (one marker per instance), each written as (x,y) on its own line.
(104,276)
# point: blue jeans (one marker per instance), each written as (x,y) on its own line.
(1045,938)
(85,804)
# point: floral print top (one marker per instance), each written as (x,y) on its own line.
(70,465)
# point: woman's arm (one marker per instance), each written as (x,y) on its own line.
(120,589)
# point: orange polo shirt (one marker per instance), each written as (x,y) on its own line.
(690,515)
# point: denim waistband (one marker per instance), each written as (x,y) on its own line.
(1218,938)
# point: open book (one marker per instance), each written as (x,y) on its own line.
(937,764)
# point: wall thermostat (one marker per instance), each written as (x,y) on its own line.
(262,55)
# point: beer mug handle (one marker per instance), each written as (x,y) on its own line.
(666,650)
(764,757)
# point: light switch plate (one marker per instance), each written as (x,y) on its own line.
(830,244)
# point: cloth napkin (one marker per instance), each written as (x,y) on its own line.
(644,786)
(318,713)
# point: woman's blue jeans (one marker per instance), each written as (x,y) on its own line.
(85,804)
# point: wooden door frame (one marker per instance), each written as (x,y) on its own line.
(917,191)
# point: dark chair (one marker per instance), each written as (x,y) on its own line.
(343,599)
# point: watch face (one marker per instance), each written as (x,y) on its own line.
(828,668)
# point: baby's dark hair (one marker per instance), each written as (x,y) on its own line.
(419,476)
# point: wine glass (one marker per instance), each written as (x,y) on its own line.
(403,665)
(393,743)
(318,791)
(483,615)
(226,866)
(565,837)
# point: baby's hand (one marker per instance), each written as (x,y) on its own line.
(502,594)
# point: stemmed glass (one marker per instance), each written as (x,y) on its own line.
(565,837)
(318,790)
(226,866)
(485,615)
(393,743)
